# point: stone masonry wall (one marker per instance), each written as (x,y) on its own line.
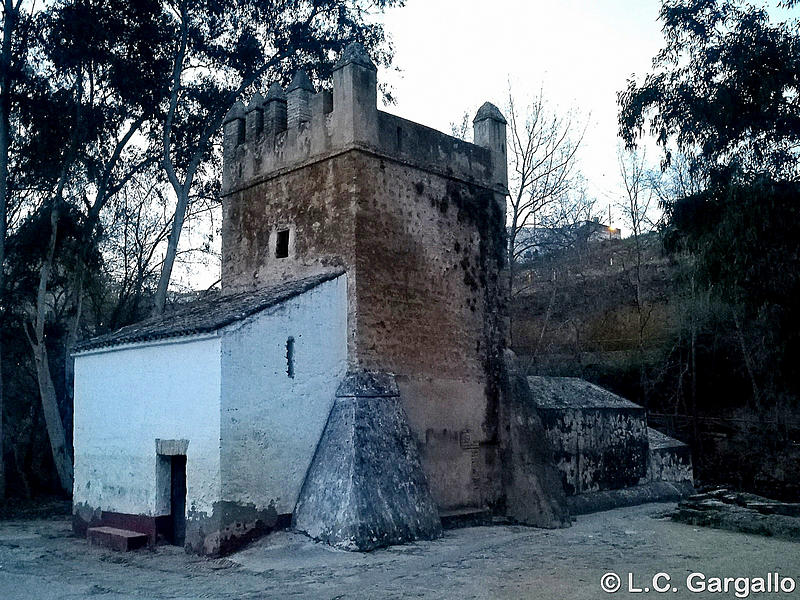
(317,205)
(424,277)
(427,267)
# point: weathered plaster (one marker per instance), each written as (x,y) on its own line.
(606,454)
(271,423)
(668,459)
(124,401)
(248,429)
(366,488)
(599,440)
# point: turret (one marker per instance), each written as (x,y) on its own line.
(298,94)
(254,117)
(233,127)
(275,110)
(489,131)
(355,94)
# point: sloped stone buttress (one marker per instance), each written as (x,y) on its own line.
(365,488)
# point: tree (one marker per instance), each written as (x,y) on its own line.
(220,50)
(91,94)
(462,129)
(723,90)
(639,186)
(724,94)
(135,229)
(542,167)
(13,51)
(10,20)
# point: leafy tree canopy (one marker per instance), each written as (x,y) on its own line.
(725,89)
(725,93)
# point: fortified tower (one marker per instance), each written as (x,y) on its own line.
(353,376)
(320,180)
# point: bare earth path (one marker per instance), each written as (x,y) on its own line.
(42,560)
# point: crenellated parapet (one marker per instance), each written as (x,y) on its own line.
(288,129)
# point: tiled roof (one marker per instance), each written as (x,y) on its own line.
(205,316)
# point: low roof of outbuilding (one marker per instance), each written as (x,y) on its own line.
(207,315)
(574,392)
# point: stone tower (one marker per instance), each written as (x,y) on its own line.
(319,180)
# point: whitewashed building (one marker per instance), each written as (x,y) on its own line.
(353,374)
(211,417)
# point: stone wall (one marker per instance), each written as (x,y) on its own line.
(599,439)
(668,458)
(316,204)
(424,258)
(427,274)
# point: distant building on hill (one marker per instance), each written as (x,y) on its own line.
(536,241)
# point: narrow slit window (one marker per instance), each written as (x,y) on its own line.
(282,245)
(399,139)
(290,357)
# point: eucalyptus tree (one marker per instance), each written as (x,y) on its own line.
(84,119)
(725,93)
(17,20)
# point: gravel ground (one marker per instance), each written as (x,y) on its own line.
(41,559)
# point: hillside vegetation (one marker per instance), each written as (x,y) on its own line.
(672,347)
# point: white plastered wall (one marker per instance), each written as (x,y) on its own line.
(271,423)
(125,398)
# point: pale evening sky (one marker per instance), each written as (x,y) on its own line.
(456,54)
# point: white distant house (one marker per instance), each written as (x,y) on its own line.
(216,410)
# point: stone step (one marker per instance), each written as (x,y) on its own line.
(122,540)
(465,517)
(654,491)
(728,510)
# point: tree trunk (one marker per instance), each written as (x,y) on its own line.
(695,425)
(748,363)
(9,22)
(72,338)
(172,250)
(2,438)
(47,391)
(52,418)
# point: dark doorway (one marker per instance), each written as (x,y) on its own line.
(282,244)
(177,498)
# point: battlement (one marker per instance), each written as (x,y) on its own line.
(288,129)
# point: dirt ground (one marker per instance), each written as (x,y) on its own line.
(40,559)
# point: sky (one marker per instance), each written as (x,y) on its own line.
(453,55)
